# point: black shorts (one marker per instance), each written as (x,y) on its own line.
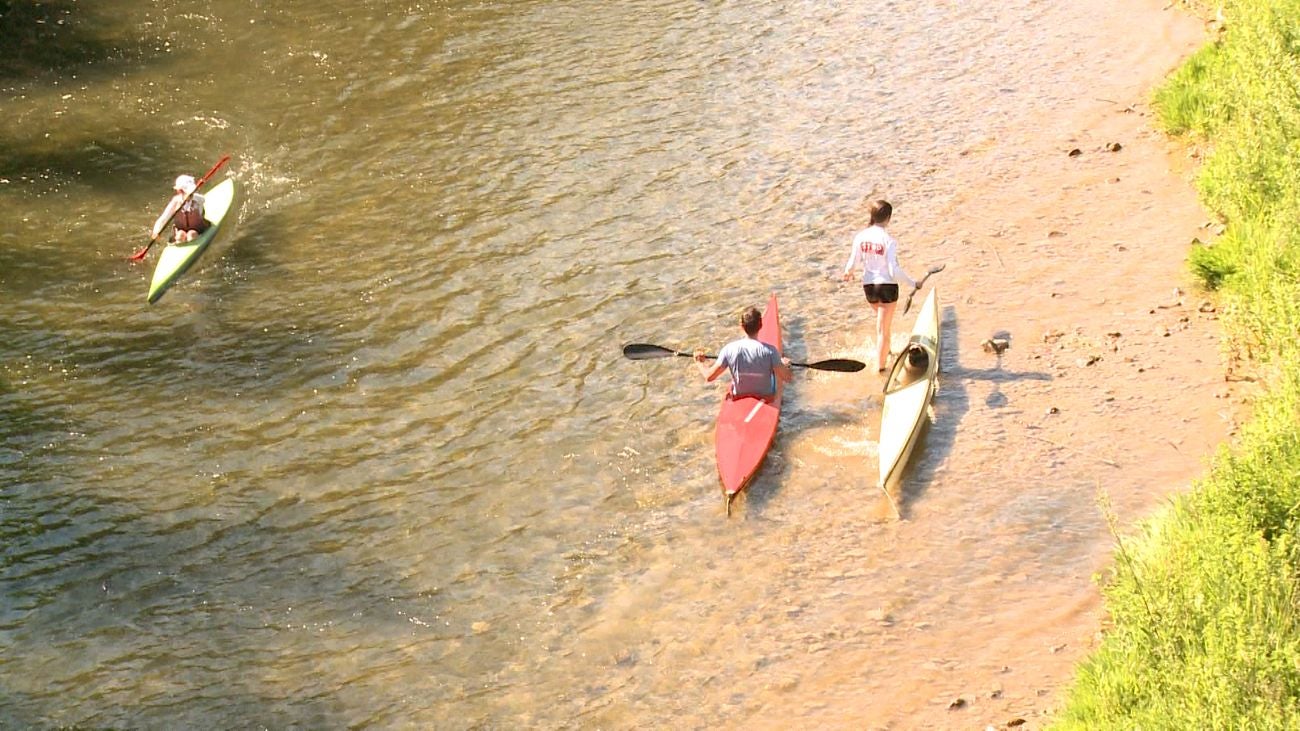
(881,294)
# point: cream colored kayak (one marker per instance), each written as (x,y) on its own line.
(177,258)
(908,391)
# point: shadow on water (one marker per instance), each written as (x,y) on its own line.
(950,406)
(25,429)
(199,353)
(89,569)
(38,37)
(29,439)
(25,270)
(84,559)
(246,357)
(255,233)
(42,43)
(120,165)
(94,572)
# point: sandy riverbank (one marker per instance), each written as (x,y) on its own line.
(1113,389)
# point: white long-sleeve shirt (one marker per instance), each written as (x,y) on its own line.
(878,252)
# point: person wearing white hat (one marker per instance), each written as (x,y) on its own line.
(187,206)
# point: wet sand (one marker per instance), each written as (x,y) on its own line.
(1113,390)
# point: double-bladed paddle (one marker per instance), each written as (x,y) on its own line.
(137,256)
(917,288)
(646,351)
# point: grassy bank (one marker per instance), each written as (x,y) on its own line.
(1204,625)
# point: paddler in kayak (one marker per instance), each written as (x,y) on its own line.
(916,364)
(878,252)
(189,221)
(755,366)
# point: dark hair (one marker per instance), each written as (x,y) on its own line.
(751,319)
(881,212)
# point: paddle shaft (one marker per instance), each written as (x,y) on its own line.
(714,357)
(646,351)
(917,288)
(137,256)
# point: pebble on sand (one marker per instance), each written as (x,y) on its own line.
(997,346)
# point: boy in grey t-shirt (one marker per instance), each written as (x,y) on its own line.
(755,366)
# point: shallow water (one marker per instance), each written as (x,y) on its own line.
(377,461)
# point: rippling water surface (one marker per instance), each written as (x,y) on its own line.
(377,461)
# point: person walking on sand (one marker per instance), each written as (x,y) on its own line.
(878,252)
(755,366)
(189,221)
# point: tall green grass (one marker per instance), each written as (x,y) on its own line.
(1203,599)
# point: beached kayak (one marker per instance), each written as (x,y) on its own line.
(908,392)
(175,258)
(746,425)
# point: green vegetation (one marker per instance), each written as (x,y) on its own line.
(1205,627)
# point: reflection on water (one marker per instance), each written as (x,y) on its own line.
(376,461)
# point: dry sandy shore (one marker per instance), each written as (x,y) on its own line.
(1081,260)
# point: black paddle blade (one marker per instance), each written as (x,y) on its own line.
(843,365)
(646,351)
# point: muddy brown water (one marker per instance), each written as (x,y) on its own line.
(377,461)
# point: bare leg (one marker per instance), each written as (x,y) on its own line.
(884,325)
(875,310)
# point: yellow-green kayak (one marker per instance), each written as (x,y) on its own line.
(175,259)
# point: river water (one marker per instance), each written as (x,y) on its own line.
(377,462)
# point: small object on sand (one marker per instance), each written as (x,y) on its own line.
(996,346)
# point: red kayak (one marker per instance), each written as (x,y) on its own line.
(747,424)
